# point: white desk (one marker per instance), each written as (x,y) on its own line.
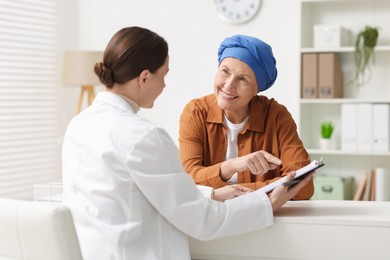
(312,230)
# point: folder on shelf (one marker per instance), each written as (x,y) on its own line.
(330,77)
(380,127)
(368,188)
(364,127)
(382,184)
(349,124)
(373,186)
(361,187)
(309,75)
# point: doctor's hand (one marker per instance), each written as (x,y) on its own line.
(257,163)
(280,195)
(229,192)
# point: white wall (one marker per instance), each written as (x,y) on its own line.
(68,24)
(194,32)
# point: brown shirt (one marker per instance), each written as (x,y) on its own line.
(270,127)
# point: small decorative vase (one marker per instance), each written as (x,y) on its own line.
(325,143)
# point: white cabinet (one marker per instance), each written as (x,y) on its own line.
(319,230)
(353,15)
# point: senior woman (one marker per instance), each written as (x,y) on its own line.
(236,135)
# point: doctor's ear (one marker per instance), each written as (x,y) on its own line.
(143,77)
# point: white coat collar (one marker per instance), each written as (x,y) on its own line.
(116,100)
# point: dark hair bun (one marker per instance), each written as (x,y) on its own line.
(105,75)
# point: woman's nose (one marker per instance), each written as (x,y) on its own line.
(229,83)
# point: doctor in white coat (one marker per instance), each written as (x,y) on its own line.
(123,179)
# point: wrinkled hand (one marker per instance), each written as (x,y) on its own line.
(280,195)
(229,192)
(257,163)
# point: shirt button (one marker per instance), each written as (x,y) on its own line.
(241,146)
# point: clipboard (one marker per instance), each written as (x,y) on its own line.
(299,175)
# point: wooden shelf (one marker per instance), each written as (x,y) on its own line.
(346,153)
(346,49)
(340,101)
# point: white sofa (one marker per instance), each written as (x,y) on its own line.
(37,231)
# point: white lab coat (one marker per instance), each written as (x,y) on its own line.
(129,195)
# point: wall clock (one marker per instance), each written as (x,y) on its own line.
(237,11)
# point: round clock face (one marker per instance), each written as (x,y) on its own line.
(237,11)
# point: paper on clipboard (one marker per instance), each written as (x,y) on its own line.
(299,173)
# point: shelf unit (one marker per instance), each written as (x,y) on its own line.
(353,15)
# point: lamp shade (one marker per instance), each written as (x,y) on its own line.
(78,68)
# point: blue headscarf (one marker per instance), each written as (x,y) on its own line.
(254,52)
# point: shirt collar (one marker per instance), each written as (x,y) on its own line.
(256,115)
(131,102)
(116,100)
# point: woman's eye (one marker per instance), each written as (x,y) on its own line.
(225,71)
(242,79)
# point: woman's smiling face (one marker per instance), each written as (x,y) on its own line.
(234,86)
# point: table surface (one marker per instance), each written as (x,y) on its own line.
(337,212)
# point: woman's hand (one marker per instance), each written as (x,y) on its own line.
(257,163)
(229,192)
(280,195)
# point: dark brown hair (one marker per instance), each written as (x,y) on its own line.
(130,51)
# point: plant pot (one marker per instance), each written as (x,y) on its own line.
(325,143)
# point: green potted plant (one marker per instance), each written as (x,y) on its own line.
(327,130)
(326,135)
(364,53)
